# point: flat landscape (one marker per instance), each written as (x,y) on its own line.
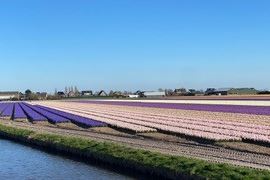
(222,133)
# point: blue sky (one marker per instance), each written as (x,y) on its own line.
(134,44)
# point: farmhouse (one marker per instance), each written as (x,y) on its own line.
(102,93)
(154,94)
(181,91)
(42,95)
(10,95)
(221,91)
(61,94)
(87,93)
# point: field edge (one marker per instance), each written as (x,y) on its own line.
(134,160)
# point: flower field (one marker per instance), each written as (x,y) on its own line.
(208,135)
(25,111)
(231,124)
(208,122)
(244,107)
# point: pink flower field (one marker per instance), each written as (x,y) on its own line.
(218,126)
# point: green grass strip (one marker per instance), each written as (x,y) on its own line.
(157,162)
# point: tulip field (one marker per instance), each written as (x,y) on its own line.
(202,121)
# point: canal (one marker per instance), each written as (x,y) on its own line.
(22,162)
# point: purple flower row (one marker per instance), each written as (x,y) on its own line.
(39,113)
(256,110)
(7,109)
(73,118)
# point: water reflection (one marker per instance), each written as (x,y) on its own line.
(22,162)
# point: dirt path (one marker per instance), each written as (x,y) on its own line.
(181,148)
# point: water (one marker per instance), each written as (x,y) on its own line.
(22,162)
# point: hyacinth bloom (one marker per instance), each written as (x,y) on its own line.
(18,112)
(257,110)
(32,115)
(203,124)
(74,118)
(26,111)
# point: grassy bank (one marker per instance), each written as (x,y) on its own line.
(139,161)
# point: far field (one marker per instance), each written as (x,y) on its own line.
(225,133)
(229,97)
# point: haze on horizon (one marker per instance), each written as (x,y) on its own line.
(131,45)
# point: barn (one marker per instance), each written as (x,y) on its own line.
(235,91)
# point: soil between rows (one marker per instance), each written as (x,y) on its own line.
(237,153)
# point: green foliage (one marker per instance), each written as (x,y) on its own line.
(21,133)
(29,95)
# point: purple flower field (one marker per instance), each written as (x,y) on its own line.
(256,110)
(73,118)
(34,113)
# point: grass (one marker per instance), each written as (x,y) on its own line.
(143,161)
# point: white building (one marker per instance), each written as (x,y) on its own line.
(154,94)
(87,93)
(133,96)
(10,95)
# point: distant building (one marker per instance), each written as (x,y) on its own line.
(179,92)
(133,96)
(102,93)
(117,94)
(87,93)
(242,91)
(234,91)
(10,95)
(154,94)
(210,91)
(264,92)
(221,91)
(139,93)
(42,95)
(61,94)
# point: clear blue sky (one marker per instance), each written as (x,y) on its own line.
(134,44)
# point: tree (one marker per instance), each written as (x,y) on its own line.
(210,91)
(28,93)
(76,89)
(71,89)
(55,92)
(66,90)
(111,93)
(126,93)
(169,92)
(180,91)
(77,93)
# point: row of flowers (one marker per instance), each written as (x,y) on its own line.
(204,128)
